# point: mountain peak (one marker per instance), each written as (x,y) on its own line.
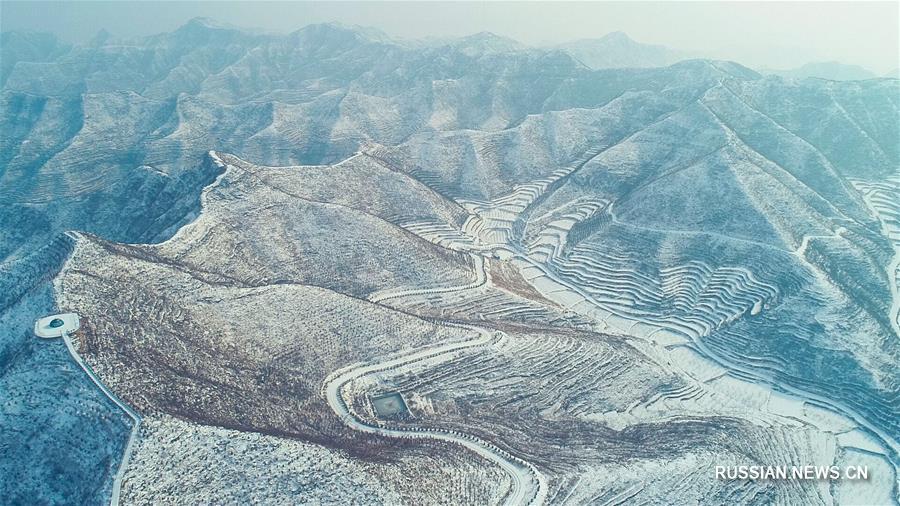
(617,36)
(484,35)
(201,25)
(618,50)
(481,43)
(100,38)
(204,22)
(335,31)
(205,30)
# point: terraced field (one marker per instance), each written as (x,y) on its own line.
(883,200)
(659,285)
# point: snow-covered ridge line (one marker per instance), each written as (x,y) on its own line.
(203,196)
(226,169)
(134,415)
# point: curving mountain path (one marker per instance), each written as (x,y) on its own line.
(135,417)
(527,484)
(480,280)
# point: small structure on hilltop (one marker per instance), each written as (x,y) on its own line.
(56,325)
(390,405)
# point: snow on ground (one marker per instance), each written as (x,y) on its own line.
(178,462)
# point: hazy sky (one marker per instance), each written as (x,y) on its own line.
(778,35)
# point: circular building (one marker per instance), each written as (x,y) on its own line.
(56,325)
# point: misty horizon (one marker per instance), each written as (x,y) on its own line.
(864,36)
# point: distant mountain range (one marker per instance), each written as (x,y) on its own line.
(833,71)
(618,50)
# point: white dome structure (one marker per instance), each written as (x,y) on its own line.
(56,325)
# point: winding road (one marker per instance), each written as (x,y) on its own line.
(135,417)
(527,484)
(480,280)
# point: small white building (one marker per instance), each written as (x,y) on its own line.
(56,325)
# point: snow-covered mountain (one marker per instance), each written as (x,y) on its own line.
(622,265)
(618,50)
